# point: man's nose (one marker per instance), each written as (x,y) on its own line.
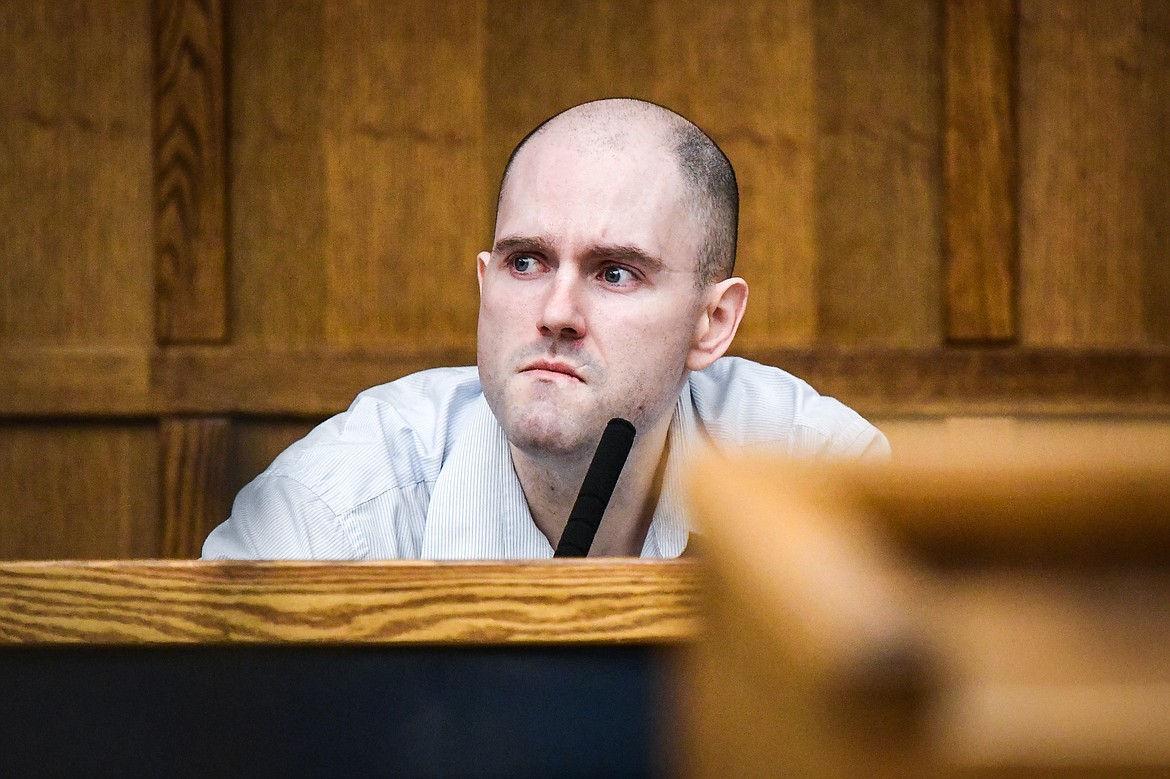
(561,315)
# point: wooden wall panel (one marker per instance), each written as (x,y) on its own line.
(406,205)
(877,197)
(758,101)
(1153,162)
(1095,167)
(193,463)
(364,149)
(75,167)
(75,490)
(359,203)
(538,62)
(277,173)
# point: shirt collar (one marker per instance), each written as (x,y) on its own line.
(669,528)
(477,509)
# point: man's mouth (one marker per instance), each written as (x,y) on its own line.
(552,366)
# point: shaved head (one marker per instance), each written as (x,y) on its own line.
(712,193)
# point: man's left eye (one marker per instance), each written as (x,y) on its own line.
(616,275)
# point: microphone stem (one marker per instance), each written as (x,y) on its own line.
(596,489)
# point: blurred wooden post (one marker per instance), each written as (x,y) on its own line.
(957,612)
(812,660)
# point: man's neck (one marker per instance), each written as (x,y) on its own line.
(551,486)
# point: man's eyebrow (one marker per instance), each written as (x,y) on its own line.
(627,254)
(523,243)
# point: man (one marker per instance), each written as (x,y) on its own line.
(608,292)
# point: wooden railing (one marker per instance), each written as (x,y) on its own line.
(165,602)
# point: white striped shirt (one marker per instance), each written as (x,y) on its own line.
(420,468)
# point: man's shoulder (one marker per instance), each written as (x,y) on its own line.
(421,398)
(393,435)
(746,403)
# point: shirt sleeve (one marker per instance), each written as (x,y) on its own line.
(746,404)
(277,518)
(871,445)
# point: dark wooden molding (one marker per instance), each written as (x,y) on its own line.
(193,493)
(980,170)
(220,381)
(875,381)
(190,172)
(987,380)
(55,381)
(196,380)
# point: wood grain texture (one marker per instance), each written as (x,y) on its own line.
(1094,173)
(987,382)
(194,496)
(597,50)
(877,199)
(312,383)
(757,100)
(75,167)
(930,381)
(980,171)
(190,148)
(406,205)
(277,184)
(78,490)
(151,602)
(56,381)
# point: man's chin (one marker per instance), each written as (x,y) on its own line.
(548,443)
(549,434)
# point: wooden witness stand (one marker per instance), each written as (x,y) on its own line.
(287,668)
(953,614)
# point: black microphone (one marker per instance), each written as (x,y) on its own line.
(596,489)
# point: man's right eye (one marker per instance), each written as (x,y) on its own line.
(523,263)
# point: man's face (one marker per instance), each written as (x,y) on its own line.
(588,301)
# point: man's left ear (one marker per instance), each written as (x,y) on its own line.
(719,318)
